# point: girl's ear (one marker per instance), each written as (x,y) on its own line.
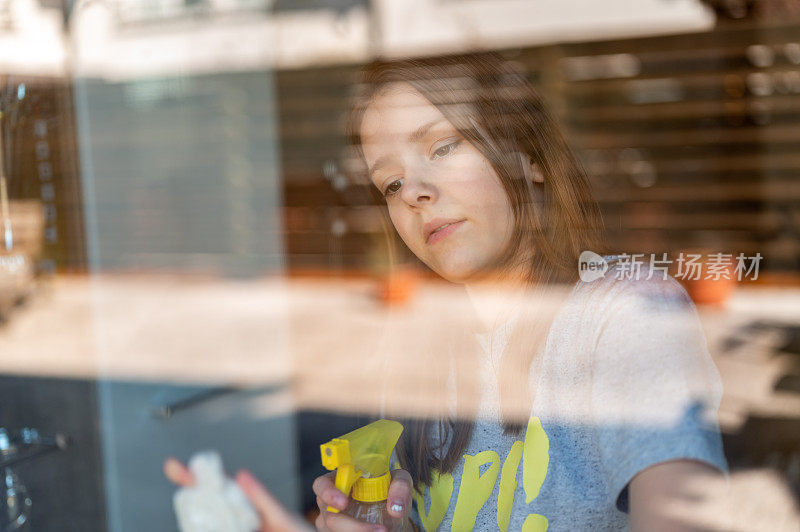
(532,170)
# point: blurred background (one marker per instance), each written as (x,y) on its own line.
(185,263)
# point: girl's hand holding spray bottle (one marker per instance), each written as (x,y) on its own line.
(363,495)
(377,495)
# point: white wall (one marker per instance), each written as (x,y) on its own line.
(411,27)
(107,43)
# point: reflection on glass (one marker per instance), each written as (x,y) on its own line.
(557,243)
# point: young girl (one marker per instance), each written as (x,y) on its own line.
(590,408)
(593,408)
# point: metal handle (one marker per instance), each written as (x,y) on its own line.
(166,407)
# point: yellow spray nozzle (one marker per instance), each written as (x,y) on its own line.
(335,453)
(363,452)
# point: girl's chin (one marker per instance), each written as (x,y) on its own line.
(458,273)
(464,273)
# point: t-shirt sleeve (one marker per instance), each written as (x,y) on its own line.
(655,389)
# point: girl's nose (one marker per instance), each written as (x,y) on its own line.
(418,190)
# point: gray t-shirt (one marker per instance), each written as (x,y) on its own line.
(625,382)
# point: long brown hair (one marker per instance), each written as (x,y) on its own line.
(494,106)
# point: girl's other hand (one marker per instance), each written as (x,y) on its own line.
(274,516)
(398,503)
(177,473)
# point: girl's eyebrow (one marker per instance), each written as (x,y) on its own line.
(416,136)
(421,131)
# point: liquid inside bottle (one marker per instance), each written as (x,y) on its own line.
(368,504)
(374,512)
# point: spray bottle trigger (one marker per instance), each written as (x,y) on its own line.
(346,476)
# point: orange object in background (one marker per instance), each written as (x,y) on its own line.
(397,287)
(711,292)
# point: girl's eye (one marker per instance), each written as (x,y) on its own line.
(393,187)
(445,150)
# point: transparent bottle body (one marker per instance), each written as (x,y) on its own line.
(376,512)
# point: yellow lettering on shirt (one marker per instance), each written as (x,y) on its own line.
(475,488)
(440,492)
(535,523)
(535,459)
(508,485)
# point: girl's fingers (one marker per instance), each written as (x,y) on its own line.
(325,490)
(274,517)
(398,501)
(177,473)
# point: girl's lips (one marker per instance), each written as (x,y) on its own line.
(443,233)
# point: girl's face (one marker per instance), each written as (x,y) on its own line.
(431,177)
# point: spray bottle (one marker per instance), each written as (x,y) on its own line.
(361,460)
